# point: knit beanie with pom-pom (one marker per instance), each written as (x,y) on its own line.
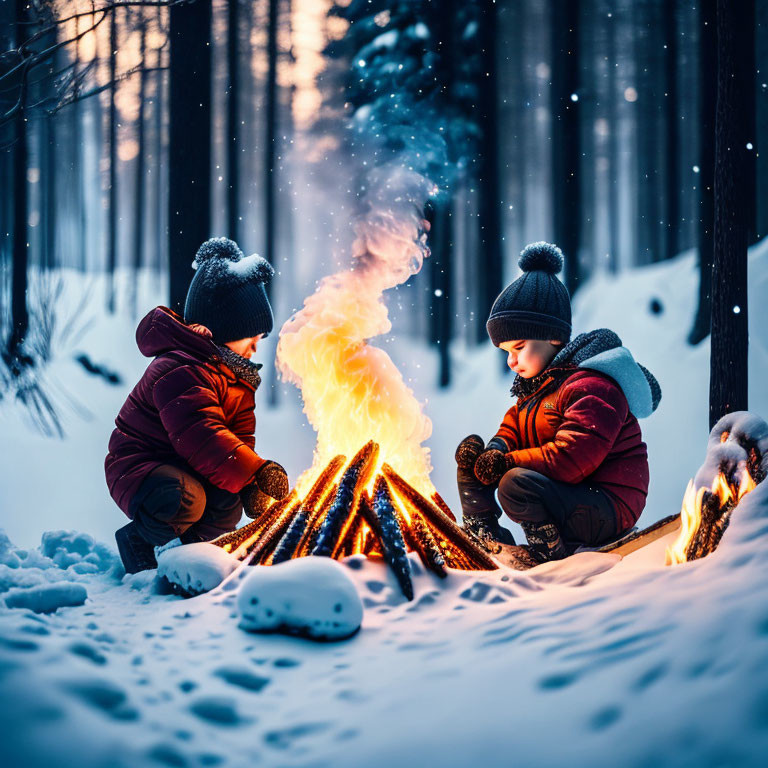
(537,304)
(227,293)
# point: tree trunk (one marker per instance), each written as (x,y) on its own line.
(112,216)
(566,138)
(613,147)
(190,142)
(19,311)
(706,180)
(270,142)
(671,124)
(441,278)
(79,175)
(728,359)
(160,166)
(489,183)
(140,186)
(233,145)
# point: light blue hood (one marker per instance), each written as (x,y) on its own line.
(619,364)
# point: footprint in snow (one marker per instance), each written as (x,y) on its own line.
(242,678)
(604,718)
(18,644)
(87,651)
(284,738)
(288,663)
(102,695)
(218,710)
(167,754)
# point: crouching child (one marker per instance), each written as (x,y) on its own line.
(181,459)
(568,462)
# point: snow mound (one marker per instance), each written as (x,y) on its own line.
(196,568)
(310,596)
(44,579)
(47,598)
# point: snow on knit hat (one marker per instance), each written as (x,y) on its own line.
(227,293)
(537,304)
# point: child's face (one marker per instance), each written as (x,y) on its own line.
(529,357)
(245,347)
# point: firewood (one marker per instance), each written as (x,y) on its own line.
(441,522)
(754,465)
(289,541)
(309,539)
(427,547)
(235,539)
(439,502)
(339,516)
(386,527)
(265,544)
(323,482)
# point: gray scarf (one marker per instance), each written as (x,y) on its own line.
(242,367)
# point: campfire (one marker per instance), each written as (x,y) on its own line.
(707,511)
(360,507)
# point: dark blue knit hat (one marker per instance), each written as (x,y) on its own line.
(537,304)
(227,293)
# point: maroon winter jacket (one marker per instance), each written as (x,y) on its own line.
(189,410)
(578,427)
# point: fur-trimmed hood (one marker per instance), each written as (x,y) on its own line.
(601,350)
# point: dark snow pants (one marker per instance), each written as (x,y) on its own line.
(583,514)
(171,502)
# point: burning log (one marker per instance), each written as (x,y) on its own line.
(309,539)
(260,549)
(439,502)
(479,558)
(338,518)
(383,520)
(707,512)
(232,542)
(295,533)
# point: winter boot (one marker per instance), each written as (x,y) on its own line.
(487,530)
(136,552)
(544,541)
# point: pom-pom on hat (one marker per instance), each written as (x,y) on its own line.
(227,293)
(537,304)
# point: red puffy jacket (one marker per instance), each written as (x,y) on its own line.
(189,410)
(577,427)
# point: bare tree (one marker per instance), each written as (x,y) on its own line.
(566,136)
(728,387)
(140,185)
(189,212)
(706,184)
(233,129)
(112,128)
(270,142)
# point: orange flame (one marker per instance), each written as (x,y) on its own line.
(352,391)
(690,514)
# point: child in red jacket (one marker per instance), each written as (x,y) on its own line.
(182,453)
(568,460)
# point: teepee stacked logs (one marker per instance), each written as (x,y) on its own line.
(338,517)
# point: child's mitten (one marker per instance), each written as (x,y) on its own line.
(272,479)
(269,483)
(490,466)
(468,450)
(255,501)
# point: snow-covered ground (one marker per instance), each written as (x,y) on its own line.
(591,661)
